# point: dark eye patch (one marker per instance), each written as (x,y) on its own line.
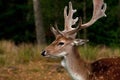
(61,43)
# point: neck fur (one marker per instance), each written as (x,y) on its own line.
(77,67)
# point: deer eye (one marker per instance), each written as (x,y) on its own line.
(61,43)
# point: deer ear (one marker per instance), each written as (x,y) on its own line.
(79,41)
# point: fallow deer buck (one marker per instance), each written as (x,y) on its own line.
(65,46)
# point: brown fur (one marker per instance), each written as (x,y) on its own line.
(106,69)
(102,69)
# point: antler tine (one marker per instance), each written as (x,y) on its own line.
(98,12)
(69,21)
(56,27)
(56,31)
(77,28)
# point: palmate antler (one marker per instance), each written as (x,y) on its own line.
(99,8)
(98,12)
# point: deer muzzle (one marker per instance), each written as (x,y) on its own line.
(44,53)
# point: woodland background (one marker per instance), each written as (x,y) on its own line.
(25,30)
(17,21)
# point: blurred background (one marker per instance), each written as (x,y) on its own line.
(25,30)
(18,22)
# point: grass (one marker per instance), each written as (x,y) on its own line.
(23,62)
(101,51)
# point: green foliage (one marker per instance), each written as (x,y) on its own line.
(17,20)
(107,30)
(104,31)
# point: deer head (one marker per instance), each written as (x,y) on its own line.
(66,39)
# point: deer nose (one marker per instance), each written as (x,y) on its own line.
(43,53)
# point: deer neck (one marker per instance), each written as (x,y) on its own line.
(77,67)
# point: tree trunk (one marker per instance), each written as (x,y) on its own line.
(40,34)
(84,20)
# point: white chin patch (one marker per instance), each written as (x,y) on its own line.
(61,54)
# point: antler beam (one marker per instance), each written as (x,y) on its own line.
(98,12)
(99,8)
